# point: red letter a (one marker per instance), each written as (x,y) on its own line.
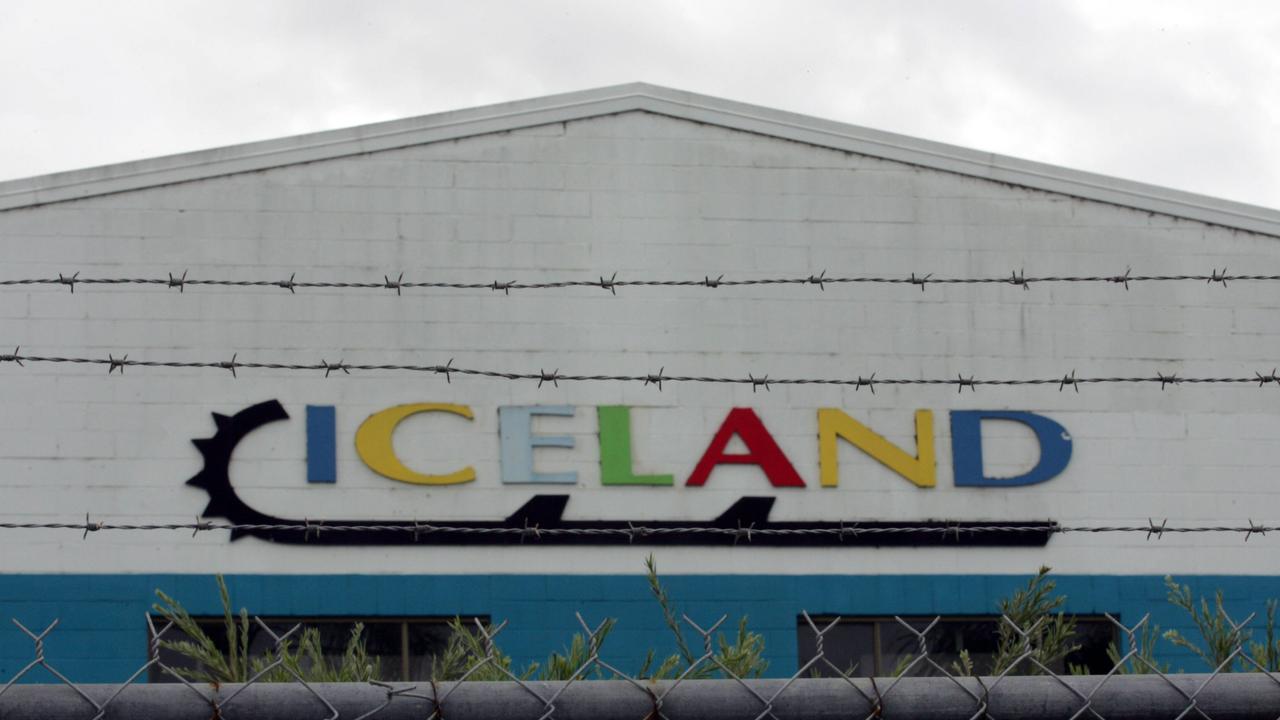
(762,450)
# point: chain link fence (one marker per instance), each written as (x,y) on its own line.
(926,687)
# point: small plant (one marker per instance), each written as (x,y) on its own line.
(1215,626)
(1038,613)
(581,649)
(305,660)
(1267,653)
(1143,662)
(309,662)
(743,658)
(467,654)
(963,666)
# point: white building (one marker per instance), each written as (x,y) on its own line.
(650,184)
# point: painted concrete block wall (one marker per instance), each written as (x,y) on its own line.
(651,196)
(642,195)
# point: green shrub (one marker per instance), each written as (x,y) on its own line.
(1219,635)
(286,662)
(468,654)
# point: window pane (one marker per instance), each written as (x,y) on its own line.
(849,646)
(1093,636)
(426,640)
(900,646)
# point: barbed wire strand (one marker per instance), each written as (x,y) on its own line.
(1152,529)
(1017,278)
(554,377)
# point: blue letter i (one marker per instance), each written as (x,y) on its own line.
(322,463)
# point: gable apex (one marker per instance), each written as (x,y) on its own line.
(567,107)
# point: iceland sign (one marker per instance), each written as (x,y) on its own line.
(518,442)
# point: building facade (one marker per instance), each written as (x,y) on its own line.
(650,184)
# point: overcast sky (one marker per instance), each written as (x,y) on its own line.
(1171,92)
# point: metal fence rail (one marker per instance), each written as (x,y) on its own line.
(1234,697)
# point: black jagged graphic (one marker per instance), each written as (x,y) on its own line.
(740,524)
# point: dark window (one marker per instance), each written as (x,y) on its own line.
(403,647)
(863,647)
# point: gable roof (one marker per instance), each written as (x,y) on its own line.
(502,117)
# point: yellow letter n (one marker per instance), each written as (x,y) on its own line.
(921,470)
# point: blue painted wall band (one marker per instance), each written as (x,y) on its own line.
(101,636)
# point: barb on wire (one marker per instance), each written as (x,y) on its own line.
(89,527)
(868,382)
(611,284)
(445,370)
(329,367)
(397,284)
(230,365)
(1254,529)
(1017,278)
(656,379)
(1159,530)
(1069,379)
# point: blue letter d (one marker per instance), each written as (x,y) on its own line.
(966,448)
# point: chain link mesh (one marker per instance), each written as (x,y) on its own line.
(707,688)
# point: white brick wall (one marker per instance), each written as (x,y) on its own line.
(642,195)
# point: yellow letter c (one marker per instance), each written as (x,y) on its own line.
(373,444)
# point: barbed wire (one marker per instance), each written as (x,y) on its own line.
(705,682)
(850,528)
(554,377)
(611,283)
